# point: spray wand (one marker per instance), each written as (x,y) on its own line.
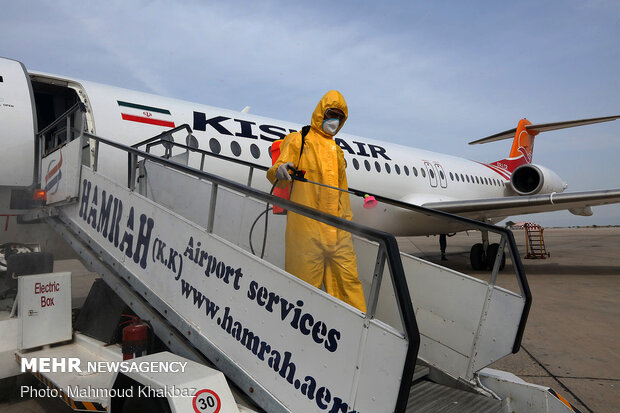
(369,200)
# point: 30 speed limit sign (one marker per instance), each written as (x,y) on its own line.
(206,401)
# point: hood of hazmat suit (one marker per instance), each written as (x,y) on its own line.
(315,252)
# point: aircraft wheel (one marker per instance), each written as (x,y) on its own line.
(477,258)
(491,254)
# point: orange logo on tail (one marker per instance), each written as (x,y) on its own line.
(523,144)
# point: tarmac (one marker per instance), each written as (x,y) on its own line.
(572,338)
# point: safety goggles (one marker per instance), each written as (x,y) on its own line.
(334,113)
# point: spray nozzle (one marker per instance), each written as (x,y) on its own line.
(370,201)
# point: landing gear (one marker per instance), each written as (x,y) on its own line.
(482,255)
(477,257)
(491,254)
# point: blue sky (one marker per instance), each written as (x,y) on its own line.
(433,75)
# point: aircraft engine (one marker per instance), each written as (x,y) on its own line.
(533,179)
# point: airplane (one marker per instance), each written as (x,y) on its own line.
(30,101)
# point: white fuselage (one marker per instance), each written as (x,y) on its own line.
(402,173)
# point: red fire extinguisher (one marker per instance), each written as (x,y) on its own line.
(284,192)
(135,338)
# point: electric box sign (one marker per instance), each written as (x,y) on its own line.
(45,309)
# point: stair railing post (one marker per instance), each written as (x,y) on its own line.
(212,207)
(376,282)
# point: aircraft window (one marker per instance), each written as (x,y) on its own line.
(467,176)
(477,180)
(397,169)
(472,178)
(423,172)
(486,182)
(462,178)
(441,175)
(457,177)
(451,176)
(387,168)
(431,173)
(356,164)
(254,149)
(235,148)
(367,165)
(215,146)
(377,166)
(415,171)
(406,170)
(191,141)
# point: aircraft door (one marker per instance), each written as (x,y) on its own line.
(17,125)
(443,180)
(432,174)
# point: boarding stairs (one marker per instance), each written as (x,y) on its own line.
(535,242)
(174,241)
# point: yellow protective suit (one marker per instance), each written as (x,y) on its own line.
(318,253)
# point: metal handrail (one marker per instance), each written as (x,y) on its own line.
(78,106)
(159,138)
(386,241)
(505,233)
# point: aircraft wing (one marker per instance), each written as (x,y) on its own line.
(578,202)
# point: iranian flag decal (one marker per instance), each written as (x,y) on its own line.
(145,114)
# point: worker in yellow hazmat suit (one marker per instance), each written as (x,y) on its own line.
(318,253)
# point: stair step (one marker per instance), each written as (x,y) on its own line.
(419,372)
(427,396)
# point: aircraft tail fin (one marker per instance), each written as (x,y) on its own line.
(523,135)
(522,150)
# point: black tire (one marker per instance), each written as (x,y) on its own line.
(491,254)
(477,257)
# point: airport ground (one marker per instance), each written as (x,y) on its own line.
(572,339)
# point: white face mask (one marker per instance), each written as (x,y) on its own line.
(330,126)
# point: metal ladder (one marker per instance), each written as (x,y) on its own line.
(535,243)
